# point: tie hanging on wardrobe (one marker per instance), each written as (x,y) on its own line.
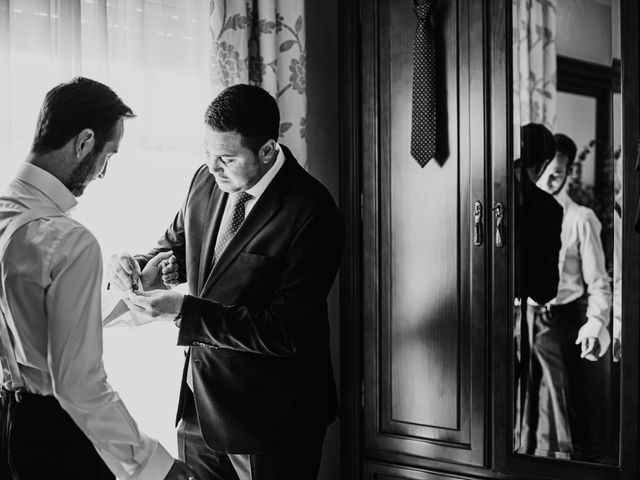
(423,108)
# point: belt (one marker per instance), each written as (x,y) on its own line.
(18,395)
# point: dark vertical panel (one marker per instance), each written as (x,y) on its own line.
(500,121)
(629,22)
(424,282)
(422,249)
(350,278)
(323,150)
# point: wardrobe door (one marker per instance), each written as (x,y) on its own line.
(559,413)
(424,247)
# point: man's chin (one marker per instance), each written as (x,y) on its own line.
(77,190)
(226,185)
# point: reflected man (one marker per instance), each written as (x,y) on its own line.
(573,326)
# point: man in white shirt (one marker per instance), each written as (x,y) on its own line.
(573,327)
(59,416)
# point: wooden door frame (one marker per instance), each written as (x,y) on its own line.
(349,38)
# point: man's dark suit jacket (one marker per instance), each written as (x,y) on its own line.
(538,227)
(257,322)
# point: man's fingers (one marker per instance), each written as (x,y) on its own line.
(142,300)
(135,269)
(124,279)
(125,261)
(162,256)
(590,349)
(168,267)
(170,278)
(123,270)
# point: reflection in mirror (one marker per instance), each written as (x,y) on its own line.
(567,220)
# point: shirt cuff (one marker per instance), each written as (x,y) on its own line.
(157,466)
(594,328)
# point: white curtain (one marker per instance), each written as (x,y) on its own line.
(534,63)
(155,55)
(262,42)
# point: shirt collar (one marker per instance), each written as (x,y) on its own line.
(259,188)
(48,185)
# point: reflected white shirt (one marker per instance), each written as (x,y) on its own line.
(52,271)
(582,263)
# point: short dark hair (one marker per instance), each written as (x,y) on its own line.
(248,110)
(566,146)
(71,107)
(537,145)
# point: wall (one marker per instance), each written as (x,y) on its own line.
(584,30)
(322,138)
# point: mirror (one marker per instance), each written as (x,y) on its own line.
(567,225)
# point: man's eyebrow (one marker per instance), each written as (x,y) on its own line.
(224,154)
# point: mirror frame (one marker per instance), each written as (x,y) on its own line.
(500,104)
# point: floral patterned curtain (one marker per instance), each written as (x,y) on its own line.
(262,42)
(534,63)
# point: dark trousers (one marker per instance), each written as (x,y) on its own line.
(302,464)
(39,440)
(564,405)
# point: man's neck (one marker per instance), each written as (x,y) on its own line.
(53,163)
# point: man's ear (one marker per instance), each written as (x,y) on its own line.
(84,143)
(268,151)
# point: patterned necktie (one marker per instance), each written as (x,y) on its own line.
(232,224)
(423,114)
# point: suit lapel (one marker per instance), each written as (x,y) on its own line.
(261,213)
(267,205)
(212,219)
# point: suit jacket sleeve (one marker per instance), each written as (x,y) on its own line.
(297,305)
(172,239)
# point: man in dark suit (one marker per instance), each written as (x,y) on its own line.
(538,226)
(258,240)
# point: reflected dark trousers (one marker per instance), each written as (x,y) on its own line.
(39,440)
(558,407)
(302,464)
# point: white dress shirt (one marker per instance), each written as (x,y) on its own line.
(582,263)
(51,280)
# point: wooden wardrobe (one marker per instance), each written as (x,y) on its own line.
(427,373)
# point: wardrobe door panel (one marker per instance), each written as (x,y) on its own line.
(424,277)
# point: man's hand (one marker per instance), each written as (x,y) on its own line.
(169,269)
(153,276)
(123,271)
(158,304)
(617,349)
(590,347)
(180,471)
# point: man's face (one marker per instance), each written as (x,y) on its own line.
(234,166)
(554,176)
(94,165)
